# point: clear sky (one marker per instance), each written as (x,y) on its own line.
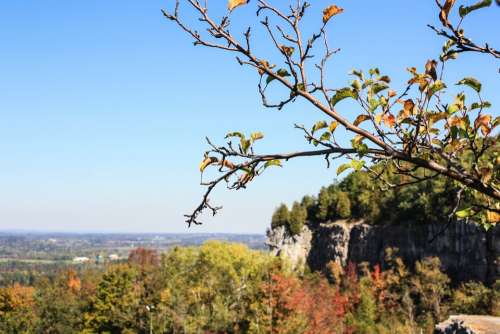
(104,108)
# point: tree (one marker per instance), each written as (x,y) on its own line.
(280,216)
(420,132)
(298,217)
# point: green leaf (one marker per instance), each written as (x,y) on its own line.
(325,136)
(273,163)
(235,134)
(357,164)
(436,86)
(465,213)
(359,74)
(319,125)
(343,93)
(281,72)
(463,11)
(342,168)
(471,82)
(245,145)
(379,86)
(256,136)
(374,71)
(476,105)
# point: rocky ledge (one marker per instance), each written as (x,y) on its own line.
(469,324)
(466,250)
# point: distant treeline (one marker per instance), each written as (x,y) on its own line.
(228,288)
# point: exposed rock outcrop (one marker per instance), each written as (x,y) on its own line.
(466,250)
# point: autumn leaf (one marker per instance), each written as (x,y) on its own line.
(389,119)
(391,93)
(483,122)
(256,136)
(378,118)
(319,125)
(227,163)
(408,107)
(445,11)
(288,50)
(343,93)
(471,82)
(360,119)
(206,162)
(430,69)
(331,11)
(232,4)
(333,126)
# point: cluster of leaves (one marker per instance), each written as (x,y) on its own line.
(227,288)
(418,128)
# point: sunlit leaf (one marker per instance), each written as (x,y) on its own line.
(331,11)
(342,94)
(206,162)
(465,213)
(436,86)
(379,86)
(343,168)
(319,125)
(471,82)
(256,136)
(288,50)
(445,11)
(325,136)
(357,164)
(483,122)
(361,118)
(235,134)
(408,107)
(465,10)
(333,126)
(274,162)
(232,4)
(389,119)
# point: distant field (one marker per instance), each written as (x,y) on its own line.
(5,260)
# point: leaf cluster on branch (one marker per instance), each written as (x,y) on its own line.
(418,128)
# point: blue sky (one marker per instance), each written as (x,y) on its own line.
(104,108)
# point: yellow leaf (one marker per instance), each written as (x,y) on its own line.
(333,126)
(331,11)
(232,4)
(207,161)
(360,119)
(378,118)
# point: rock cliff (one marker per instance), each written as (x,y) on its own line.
(466,250)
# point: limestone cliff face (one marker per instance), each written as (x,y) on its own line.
(466,250)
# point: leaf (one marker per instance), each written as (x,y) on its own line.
(465,213)
(379,86)
(482,105)
(361,118)
(288,50)
(391,93)
(274,162)
(408,107)
(228,164)
(206,162)
(357,164)
(256,136)
(235,134)
(342,94)
(389,119)
(463,11)
(436,117)
(232,4)
(342,168)
(445,11)
(471,82)
(359,74)
(378,118)
(483,122)
(430,69)
(357,140)
(356,85)
(319,125)
(325,136)
(331,11)
(333,126)
(281,72)
(435,87)
(245,145)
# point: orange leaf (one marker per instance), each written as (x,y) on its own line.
(483,122)
(389,119)
(331,11)
(232,4)
(360,119)
(445,11)
(408,107)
